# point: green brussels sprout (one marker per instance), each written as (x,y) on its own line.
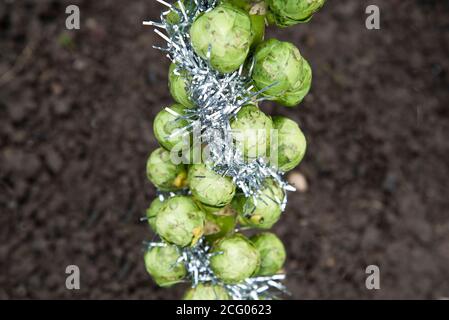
(220,223)
(163,265)
(152,212)
(236,259)
(245,5)
(257,29)
(272,253)
(291,144)
(251,131)
(279,64)
(251,6)
(173,17)
(256,10)
(263,213)
(209,187)
(285,13)
(165,124)
(207,292)
(180,221)
(296,94)
(189,153)
(227,30)
(163,173)
(177,86)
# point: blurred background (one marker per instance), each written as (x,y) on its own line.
(76,111)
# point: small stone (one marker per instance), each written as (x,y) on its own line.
(91,24)
(61,107)
(56,88)
(298,180)
(79,65)
(53,160)
(330,262)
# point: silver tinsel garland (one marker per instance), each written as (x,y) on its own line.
(197,262)
(217,97)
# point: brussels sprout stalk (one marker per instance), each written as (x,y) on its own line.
(221,70)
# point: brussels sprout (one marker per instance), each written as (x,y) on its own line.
(163,173)
(165,124)
(272,253)
(257,29)
(279,65)
(209,187)
(207,292)
(152,212)
(251,6)
(297,93)
(236,259)
(162,264)
(245,5)
(180,221)
(189,153)
(227,31)
(174,17)
(251,131)
(285,13)
(263,213)
(291,143)
(256,10)
(177,83)
(220,223)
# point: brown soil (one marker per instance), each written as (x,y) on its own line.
(76,110)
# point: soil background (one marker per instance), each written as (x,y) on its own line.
(76,111)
